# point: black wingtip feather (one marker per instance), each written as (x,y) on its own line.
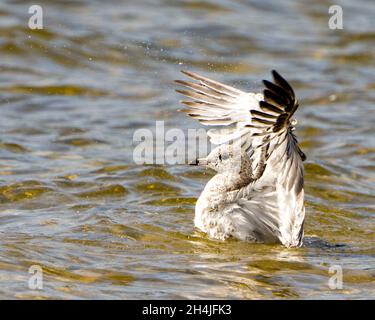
(265,106)
(283,83)
(279,98)
(262,114)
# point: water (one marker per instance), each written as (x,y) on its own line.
(73,201)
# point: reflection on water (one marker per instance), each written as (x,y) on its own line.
(73,201)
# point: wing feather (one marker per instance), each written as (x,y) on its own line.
(214,85)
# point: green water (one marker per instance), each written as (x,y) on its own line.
(73,201)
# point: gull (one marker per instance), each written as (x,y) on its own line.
(257,194)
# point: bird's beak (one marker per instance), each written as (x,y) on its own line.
(199,162)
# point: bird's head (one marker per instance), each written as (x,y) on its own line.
(225,159)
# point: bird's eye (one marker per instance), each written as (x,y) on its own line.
(220,157)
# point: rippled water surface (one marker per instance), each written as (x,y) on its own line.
(73,201)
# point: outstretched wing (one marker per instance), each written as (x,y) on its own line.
(285,206)
(216,104)
(264,124)
(256,119)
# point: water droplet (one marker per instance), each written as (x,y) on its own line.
(332,97)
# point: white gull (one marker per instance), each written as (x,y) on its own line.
(257,194)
